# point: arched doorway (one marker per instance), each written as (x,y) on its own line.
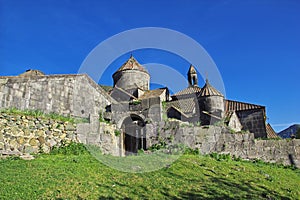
(134,134)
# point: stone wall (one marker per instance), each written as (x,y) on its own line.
(75,95)
(106,136)
(253,120)
(26,134)
(221,140)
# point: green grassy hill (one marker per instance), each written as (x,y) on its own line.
(78,175)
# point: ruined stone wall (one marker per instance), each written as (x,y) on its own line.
(221,140)
(75,95)
(26,134)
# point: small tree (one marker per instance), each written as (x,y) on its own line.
(298,134)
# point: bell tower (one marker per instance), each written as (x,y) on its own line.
(192,76)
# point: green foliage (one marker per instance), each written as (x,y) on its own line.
(158,146)
(136,102)
(164,105)
(39,113)
(190,151)
(69,149)
(220,157)
(117,132)
(101,118)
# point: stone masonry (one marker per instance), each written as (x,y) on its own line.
(27,134)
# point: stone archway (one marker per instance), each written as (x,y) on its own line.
(134,135)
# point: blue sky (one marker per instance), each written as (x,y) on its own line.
(255,44)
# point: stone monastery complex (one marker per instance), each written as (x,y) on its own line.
(130,104)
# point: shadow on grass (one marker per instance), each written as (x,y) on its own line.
(212,188)
(219,188)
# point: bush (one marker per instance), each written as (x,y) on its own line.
(70,149)
(220,157)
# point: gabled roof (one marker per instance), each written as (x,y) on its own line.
(190,90)
(270,132)
(209,90)
(237,106)
(132,64)
(152,93)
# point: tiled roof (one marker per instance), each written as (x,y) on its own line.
(237,106)
(132,64)
(209,90)
(270,132)
(187,105)
(152,93)
(190,90)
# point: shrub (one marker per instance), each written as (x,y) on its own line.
(70,149)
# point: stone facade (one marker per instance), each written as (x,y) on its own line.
(74,95)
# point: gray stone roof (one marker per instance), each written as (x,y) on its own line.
(152,93)
(187,105)
(132,64)
(188,91)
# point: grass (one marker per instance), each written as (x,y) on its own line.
(39,113)
(72,173)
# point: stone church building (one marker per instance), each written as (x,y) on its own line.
(129,103)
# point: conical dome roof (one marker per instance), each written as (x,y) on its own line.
(209,90)
(132,64)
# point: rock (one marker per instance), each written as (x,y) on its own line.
(27,157)
(33,142)
(27,132)
(45,148)
(52,142)
(1,137)
(62,136)
(30,149)
(1,146)
(40,133)
(13,143)
(41,140)
(20,140)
